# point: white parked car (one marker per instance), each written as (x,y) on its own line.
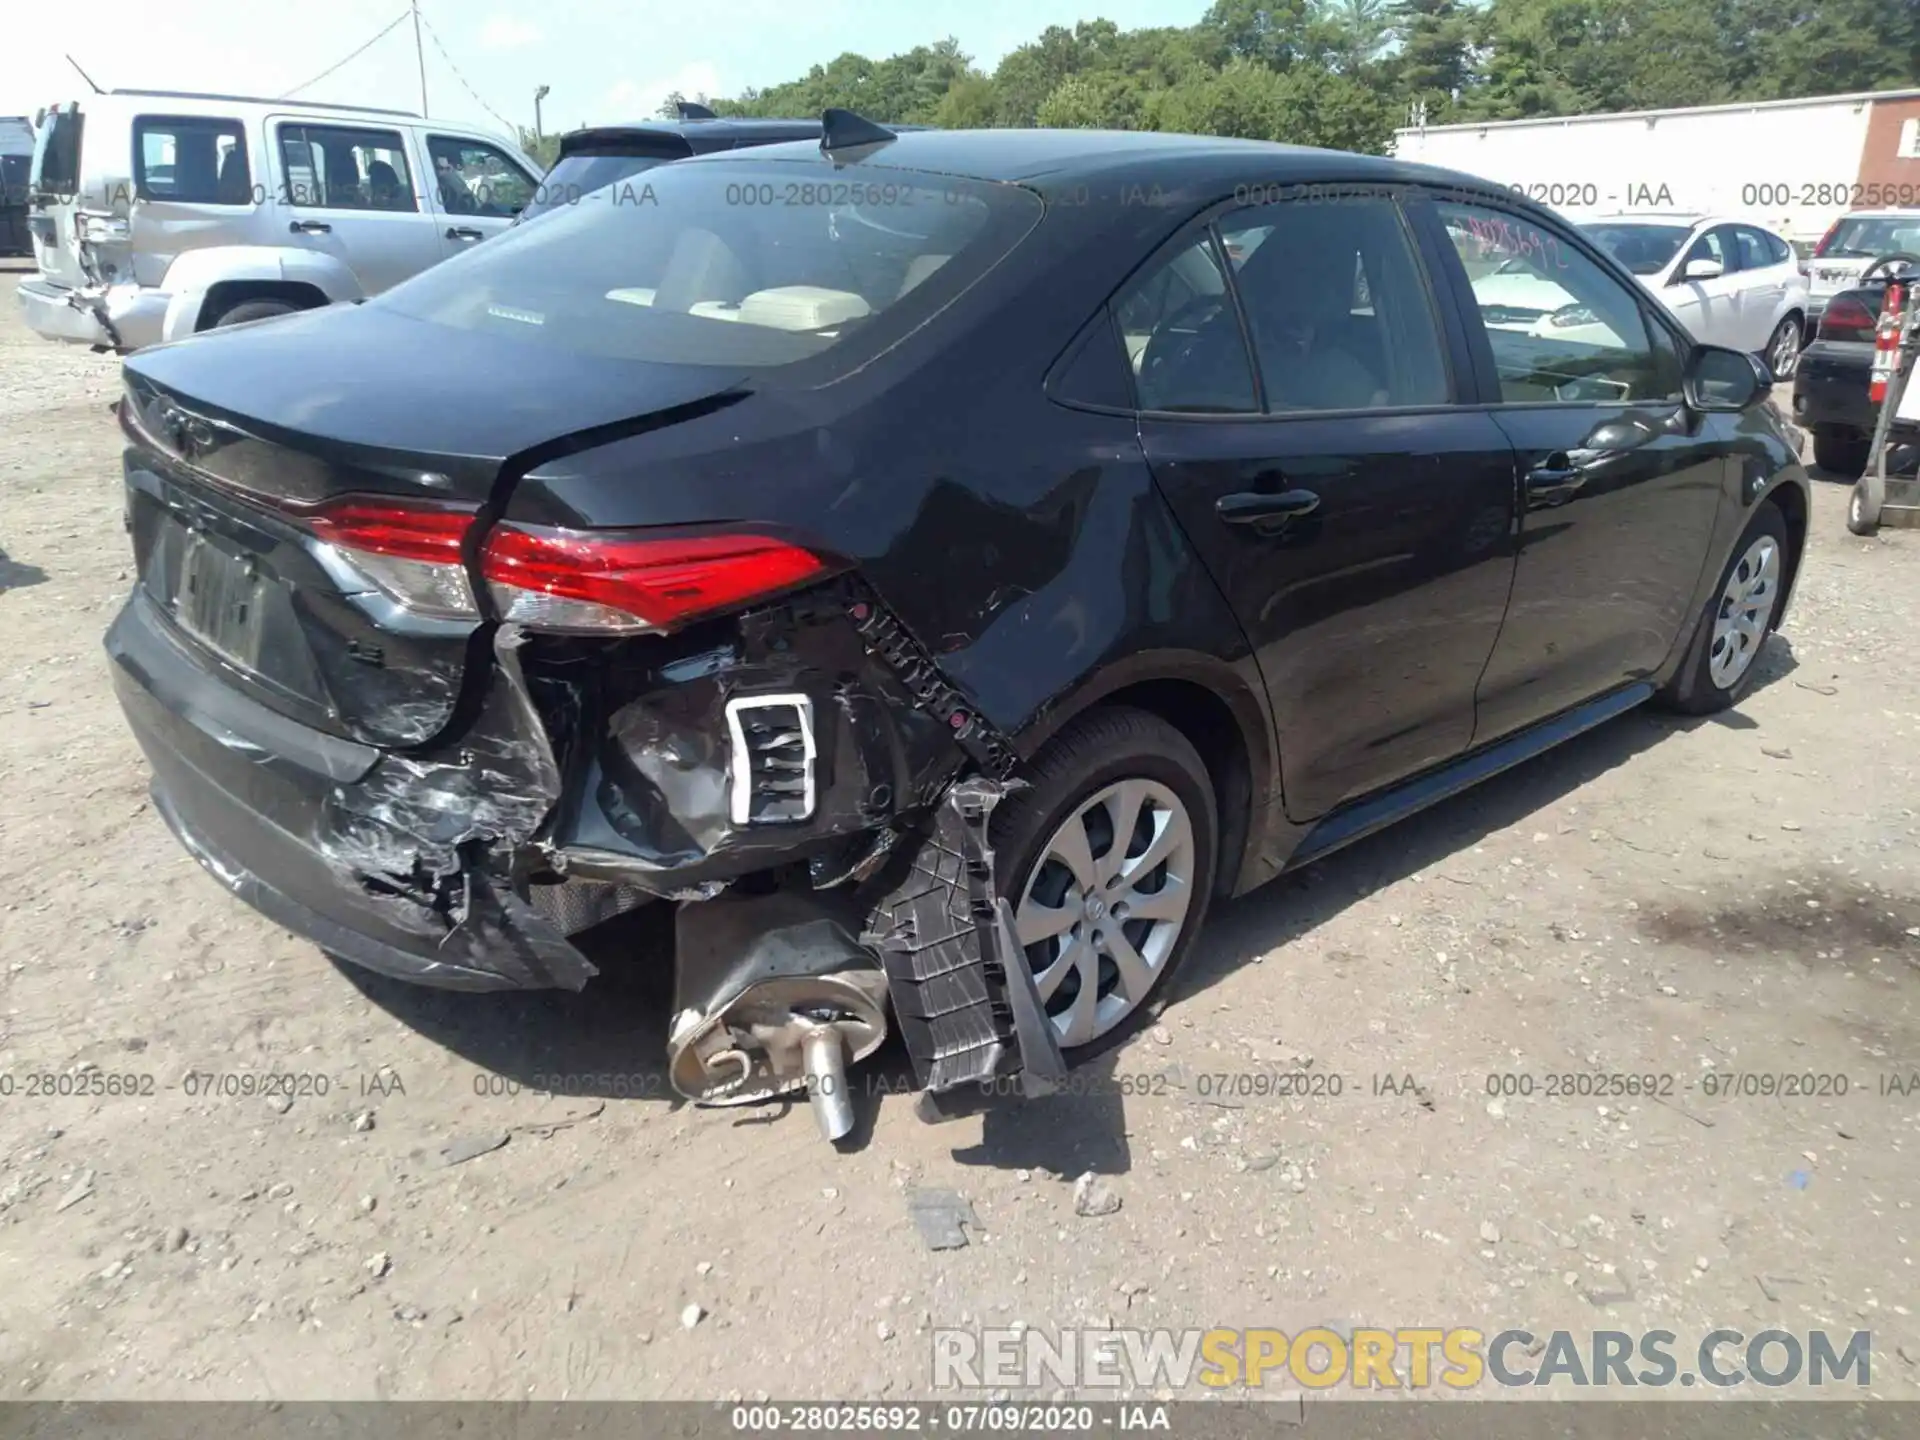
(1854,242)
(156,214)
(1730,282)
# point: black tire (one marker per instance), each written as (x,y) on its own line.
(1693,691)
(1099,749)
(1841,452)
(251,310)
(1863,515)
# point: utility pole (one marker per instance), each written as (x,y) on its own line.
(420,55)
(538,96)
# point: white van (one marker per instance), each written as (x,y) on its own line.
(156,214)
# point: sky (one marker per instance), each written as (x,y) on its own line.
(603,59)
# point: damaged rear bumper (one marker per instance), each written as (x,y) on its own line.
(569,795)
(273,810)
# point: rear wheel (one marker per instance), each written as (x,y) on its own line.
(1783,350)
(1841,452)
(1719,668)
(251,310)
(1108,860)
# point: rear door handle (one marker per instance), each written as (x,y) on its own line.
(465,232)
(1252,507)
(310,227)
(1553,480)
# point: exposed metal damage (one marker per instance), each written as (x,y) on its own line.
(799,780)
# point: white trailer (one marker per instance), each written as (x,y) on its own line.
(1797,165)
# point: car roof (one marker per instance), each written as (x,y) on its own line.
(729,130)
(1055,158)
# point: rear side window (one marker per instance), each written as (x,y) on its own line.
(741,263)
(1183,336)
(1560,328)
(56,156)
(194,160)
(1337,305)
(335,168)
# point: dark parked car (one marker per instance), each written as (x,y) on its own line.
(593,158)
(1830,390)
(16,161)
(938,566)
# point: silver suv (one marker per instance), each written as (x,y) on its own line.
(155,214)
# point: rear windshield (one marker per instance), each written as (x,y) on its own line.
(577,176)
(1863,236)
(56,157)
(743,264)
(1643,249)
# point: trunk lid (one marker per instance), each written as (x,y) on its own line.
(226,507)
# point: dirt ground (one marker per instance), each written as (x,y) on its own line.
(1656,897)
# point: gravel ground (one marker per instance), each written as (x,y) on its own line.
(1656,897)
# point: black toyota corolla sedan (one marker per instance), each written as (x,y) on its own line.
(937,565)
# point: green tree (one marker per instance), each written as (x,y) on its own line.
(1100,101)
(1274,33)
(1435,60)
(543,148)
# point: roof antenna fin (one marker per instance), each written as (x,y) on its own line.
(692,110)
(844,130)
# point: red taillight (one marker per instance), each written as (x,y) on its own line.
(407,530)
(1827,239)
(407,549)
(1846,318)
(612,581)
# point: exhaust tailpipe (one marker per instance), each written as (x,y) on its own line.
(772,995)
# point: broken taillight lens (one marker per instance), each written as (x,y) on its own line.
(408,549)
(622,581)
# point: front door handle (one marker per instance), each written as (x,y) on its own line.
(465,232)
(1554,480)
(310,227)
(1252,507)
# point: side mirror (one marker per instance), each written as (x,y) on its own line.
(1702,269)
(1719,380)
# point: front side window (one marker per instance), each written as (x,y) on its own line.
(1716,245)
(475,178)
(737,263)
(1752,248)
(1336,304)
(1183,337)
(330,167)
(1560,327)
(192,160)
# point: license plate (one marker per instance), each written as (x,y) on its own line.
(218,601)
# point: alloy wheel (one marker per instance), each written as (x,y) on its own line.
(1746,609)
(1784,354)
(1105,904)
